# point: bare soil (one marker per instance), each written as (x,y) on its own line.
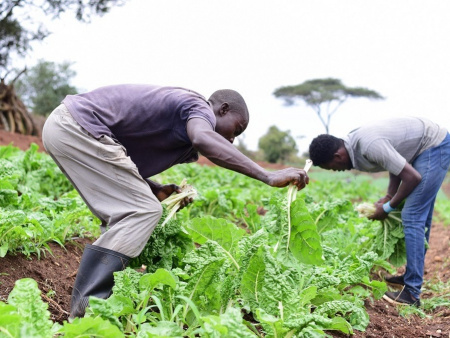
(55,274)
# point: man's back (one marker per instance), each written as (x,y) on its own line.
(149,121)
(389,144)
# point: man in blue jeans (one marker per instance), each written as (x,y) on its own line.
(416,153)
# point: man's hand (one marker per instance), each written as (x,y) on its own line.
(163,191)
(379,214)
(282,178)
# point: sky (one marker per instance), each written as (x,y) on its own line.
(401,49)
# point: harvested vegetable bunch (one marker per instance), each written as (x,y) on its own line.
(389,239)
(365,209)
(368,209)
(173,202)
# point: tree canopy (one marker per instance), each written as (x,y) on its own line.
(328,93)
(277,145)
(43,87)
(18,25)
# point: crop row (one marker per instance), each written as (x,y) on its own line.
(234,263)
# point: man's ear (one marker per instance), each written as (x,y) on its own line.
(339,153)
(224,108)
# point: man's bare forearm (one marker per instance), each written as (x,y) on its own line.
(409,178)
(394,182)
(226,155)
(222,152)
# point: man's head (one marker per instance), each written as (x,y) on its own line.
(231,113)
(329,152)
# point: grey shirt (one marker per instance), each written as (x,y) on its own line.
(387,145)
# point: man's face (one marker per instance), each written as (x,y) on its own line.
(340,161)
(333,165)
(231,125)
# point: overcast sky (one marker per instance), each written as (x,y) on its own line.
(401,49)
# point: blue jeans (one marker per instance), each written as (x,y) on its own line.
(417,212)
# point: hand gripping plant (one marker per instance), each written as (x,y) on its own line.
(291,196)
(173,202)
(388,240)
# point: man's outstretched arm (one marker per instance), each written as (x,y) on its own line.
(222,152)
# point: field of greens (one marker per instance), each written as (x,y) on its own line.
(243,260)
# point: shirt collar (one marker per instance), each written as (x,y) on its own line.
(349,148)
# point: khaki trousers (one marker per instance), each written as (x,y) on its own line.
(107,180)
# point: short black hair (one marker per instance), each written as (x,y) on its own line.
(323,148)
(233,98)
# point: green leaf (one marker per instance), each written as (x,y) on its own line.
(228,324)
(90,327)
(161,329)
(11,322)
(3,249)
(253,279)
(207,278)
(106,309)
(126,282)
(340,324)
(354,313)
(305,240)
(398,256)
(26,297)
(378,288)
(161,276)
(307,294)
(272,325)
(225,233)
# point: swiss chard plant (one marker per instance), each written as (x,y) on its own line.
(38,204)
(243,260)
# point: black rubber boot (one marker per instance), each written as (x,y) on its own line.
(95,277)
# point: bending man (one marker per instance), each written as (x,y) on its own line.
(416,153)
(109,143)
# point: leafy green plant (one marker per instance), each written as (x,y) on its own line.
(38,204)
(166,247)
(26,315)
(389,238)
(301,269)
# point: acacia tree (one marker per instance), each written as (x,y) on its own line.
(277,145)
(324,96)
(18,28)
